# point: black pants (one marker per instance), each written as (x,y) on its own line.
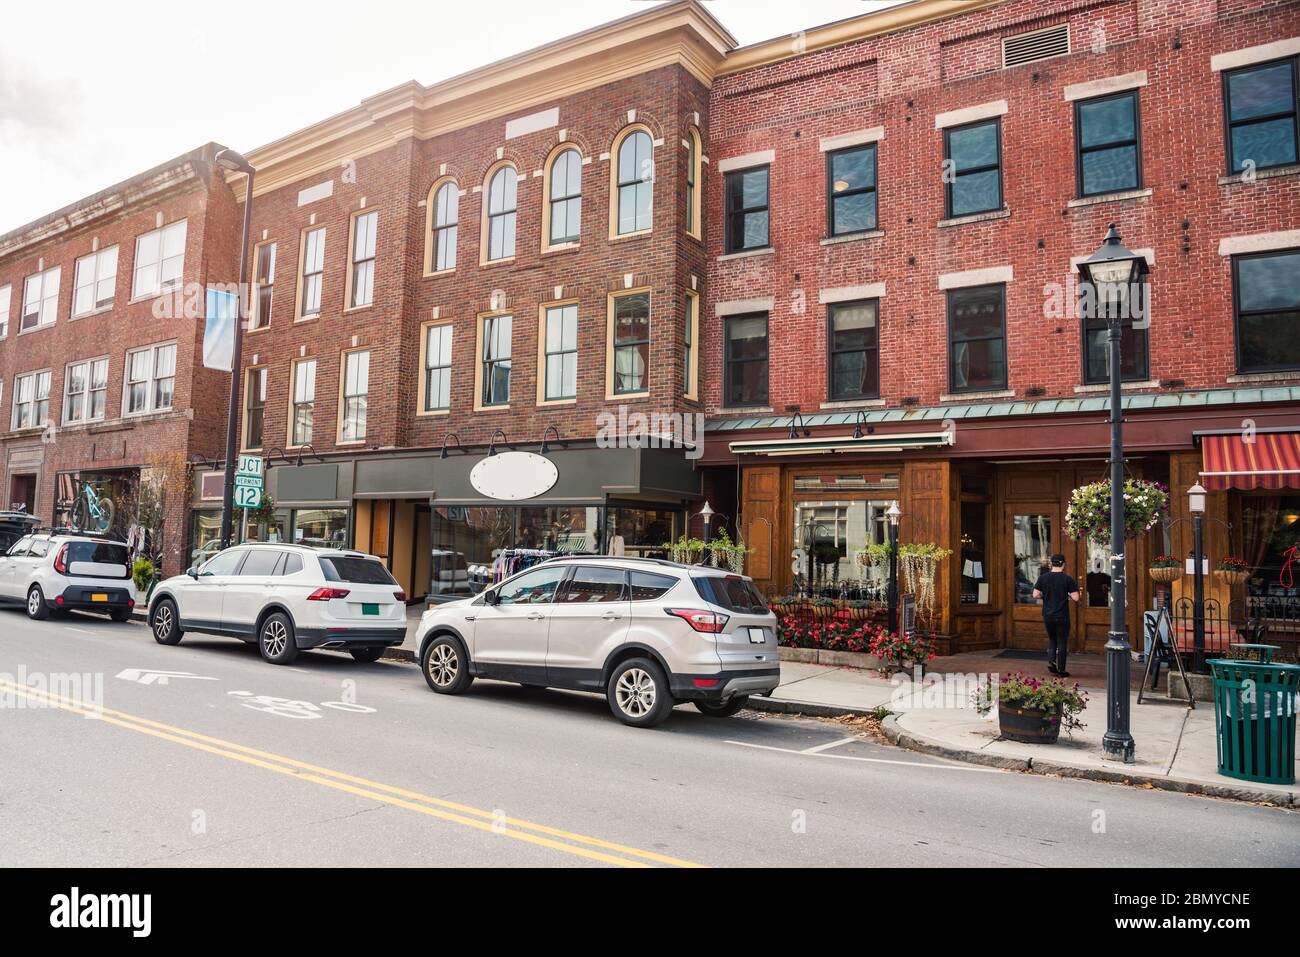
(1058,641)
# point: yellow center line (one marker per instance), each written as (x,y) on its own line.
(398,797)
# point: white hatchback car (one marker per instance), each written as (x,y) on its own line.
(285,598)
(54,572)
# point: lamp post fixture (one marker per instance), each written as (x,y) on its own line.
(1111,286)
(1196,505)
(232,161)
(706,513)
(894,513)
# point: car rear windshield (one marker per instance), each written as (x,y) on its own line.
(358,571)
(101,553)
(734,594)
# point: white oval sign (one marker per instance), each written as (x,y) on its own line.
(512,476)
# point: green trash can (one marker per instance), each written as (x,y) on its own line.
(1255,712)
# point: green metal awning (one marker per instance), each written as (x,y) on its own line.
(828,445)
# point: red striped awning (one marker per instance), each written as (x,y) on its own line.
(1259,460)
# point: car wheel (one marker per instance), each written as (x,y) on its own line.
(37,610)
(276,641)
(724,710)
(367,654)
(446,665)
(165,623)
(638,693)
(120,614)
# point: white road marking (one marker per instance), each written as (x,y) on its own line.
(144,676)
(850,757)
(826,747)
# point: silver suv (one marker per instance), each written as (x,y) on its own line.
(646,633)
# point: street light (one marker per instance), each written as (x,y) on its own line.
(1196,505)
(1111,287)
(706,513)
(235,163)
(893,513)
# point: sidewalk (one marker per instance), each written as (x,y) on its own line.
(1175,746)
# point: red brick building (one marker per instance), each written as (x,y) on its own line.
(100,345)
(896,204)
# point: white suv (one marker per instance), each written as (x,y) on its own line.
(285,598)
(645,633)
(57,572)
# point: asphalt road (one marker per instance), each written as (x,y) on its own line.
(365,766)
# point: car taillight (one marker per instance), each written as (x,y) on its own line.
(325,594)
(709,622)
(61,560)
(400,595)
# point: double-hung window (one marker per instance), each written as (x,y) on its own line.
(85,390)
(437,367)
(304,401)
(95,282)
(356,396)
(361,281)
(747,209)
(496,360)
(1132,348)
(1266,297)
(6,295)
(254,408)
(1261,105)
(159,260)
(631,343)
(561,352)
(446,216)
(977,341)
(851,190)
(634,183)
(690,353)
(40,299)
(503,201)
(313,272)
(1109,149)
(31,400)
(853,344)
(745,354)
(566,198)
(150,379)
(264,279)
(973,168)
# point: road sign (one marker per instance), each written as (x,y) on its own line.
(248,496)
(251,465)
(250,481)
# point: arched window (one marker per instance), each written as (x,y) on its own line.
(501,205)
(565,195)
(693,165)
(635,183)
(446,216)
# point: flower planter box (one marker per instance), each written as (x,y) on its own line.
(1028,725)
(1164,574)
(1232,578)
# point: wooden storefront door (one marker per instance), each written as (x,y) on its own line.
(1032,532)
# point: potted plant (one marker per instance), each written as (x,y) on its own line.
(1088,515)
(1233,571)
(899,652)
(1164,569)
(1032,710)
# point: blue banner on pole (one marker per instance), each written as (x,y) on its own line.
(220,315)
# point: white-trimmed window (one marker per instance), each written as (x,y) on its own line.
(313,272)
(264,281)
(356,394)
(446,217)
(634,170)
(41,299)
(31,400)
(361,282)
(437,367)
(255,407)
(159,260)
(6,294)
(303,413)
(495,363)
(85,390)
(503,201)
(95,282)
(150,379)
(691,355)
(565,198)
(561,355)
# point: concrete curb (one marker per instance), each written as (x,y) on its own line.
(899,736)
(784,706)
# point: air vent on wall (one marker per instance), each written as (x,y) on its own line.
(1039,45)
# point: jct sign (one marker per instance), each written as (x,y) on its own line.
(248,481)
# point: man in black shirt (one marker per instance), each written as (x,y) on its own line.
(1056,590)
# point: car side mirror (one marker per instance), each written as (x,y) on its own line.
(193,572)
(491,597)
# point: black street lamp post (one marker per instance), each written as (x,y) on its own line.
(1196,505)
(1112,289)
(230,160)
(894,513)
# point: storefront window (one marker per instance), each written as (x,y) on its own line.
(565,530)
(1270,532)
(975,568)
(205,535)
(321,527)
(1032,548)
(464,537)
(831,535)
(644,531)
(1096,576)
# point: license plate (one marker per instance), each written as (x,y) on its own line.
(757,636)
(369,609)
(99,597)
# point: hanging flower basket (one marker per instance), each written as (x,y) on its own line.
(1164,569)
(1089,513)
(1232,571)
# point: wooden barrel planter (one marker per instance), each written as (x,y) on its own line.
(1028,725)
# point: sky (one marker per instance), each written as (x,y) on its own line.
(93,93)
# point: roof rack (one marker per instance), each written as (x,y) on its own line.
(66,530)
(624,558)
